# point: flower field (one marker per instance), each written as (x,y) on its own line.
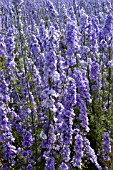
(56,85)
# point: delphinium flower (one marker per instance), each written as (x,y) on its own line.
(33,26)
(11,65)
(92,31)
(27,139)
(106,147)
(105,50)
(83,98)
(71,47)
(64,12)
(95,78)
(60,126)
(95,73)
(16,13)
(6,19)
(4,15)
(50,162)
(20,47)
(50,50)
(108,4)
(31,95)
(40,83)
(67,118)
(10,49)
(9,98)
(7,138)
(83,20)
(33,121)
(51,10)
(63,166)
(29,167)
(93,68)
(72,13)
(82,86)
(42,95)
(63,15)
(25,94)
(26,152)
(101,16)
(27,10)
(84,28)
(95,7)
(6,128)
(83,117)
(17,7)
(34,46)
(18,3)
(77,10)
(90,153)
(107,26)
(78,148)
(2,46)
(95,23)
(34,84)
(49,93)
(20,121)
(42,36)
(71,37)
(96,87)
(32,10)
(106,7)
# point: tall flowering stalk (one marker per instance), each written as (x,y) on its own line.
(7,138)
(56,84)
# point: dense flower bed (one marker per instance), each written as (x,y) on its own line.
(56,85)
